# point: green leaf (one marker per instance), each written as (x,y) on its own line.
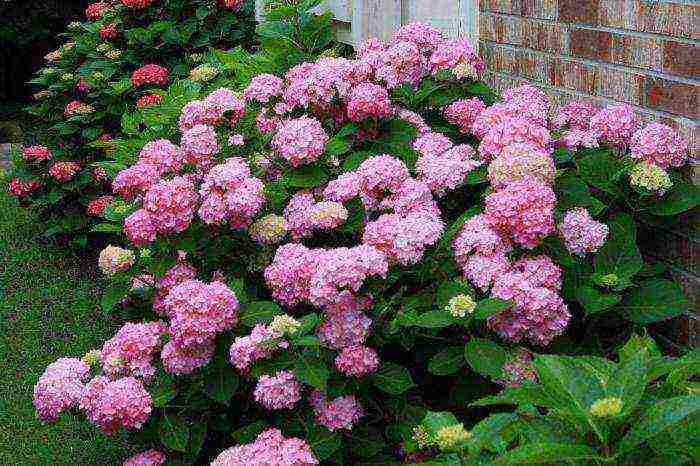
(106,228)
(663,415)
(323,442)
(447,361)
(393,379)
(114,294)
(434,421)
(487,433)
(620,255)
(260,312)
(629,382)
(448,289)
(681,198)
(546,453)
(655,299)
(312,371)
(485,357)
(602,169)
(163,391)
(174,433)
(491,306)
(221,385)
(198,433)
(594,301)
(573,192)
(365,441)
(248,433)
(309,176)
(433,319)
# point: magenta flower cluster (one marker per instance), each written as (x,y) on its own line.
(269,448)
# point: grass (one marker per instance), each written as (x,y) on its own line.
(48,308)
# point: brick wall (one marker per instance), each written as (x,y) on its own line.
(644,53)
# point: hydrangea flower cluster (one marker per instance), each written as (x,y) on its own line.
(581,233)
(261,343)
(660,145)
(131,351)
(300,141)
(146,458)
(150,74)
(269,448)
(279,391)
(37,154)
(64,172)
(114,259)
(122,403)
(342,413)
(59,388)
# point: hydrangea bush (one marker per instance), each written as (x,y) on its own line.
(327,260)
(121,57)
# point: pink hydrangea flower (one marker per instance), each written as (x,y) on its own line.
(130,352)
(574,115)
(527,93)
(246,350)
(412,198)
(344,325)
(345,187)
(162,154)
(198,112)
(614,124)
(114,404)
(511,131)
(140,228)
(279,391)
(482,270)
(175,275)
(496,114)
(540,271)
(19,189)
(97,206)
(289,274)
(447,171)
(575,138)
(660,145)
(357,361)
(403,239)
(182,361)
(296,214)
(402,63)
(300,141)
(146,458)
(413,118)
(225,102)
(425,37)
(518,161)
(538,316)
(368,101)
(478,236)
(150,74)
(341,413)
(171,204)
(457,56)
(199,311)
(581,233)
(263,87)
(59,388)
(269,448)
(432,143)
(463,113)
(199,145)
(523,209)
(135,180)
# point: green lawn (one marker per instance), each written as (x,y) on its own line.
(48,309)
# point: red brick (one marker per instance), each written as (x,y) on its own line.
(622,86)
(672,97)
(681,20)
(571,74)
(588,43)
(543,9)
(544,36)
(500,6)
(638,52)
(579,11)
(681,59)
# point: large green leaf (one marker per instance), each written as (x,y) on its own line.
(312,371)
(620,254)
(491,306)
(629,382)
(221,385)
(681,198)
(602,169)
(393,379)
(260,312)
(174,433)
(323,442)
(309,176)
(663,415)
(655,299)
(485,357)
(546,453)
(447,361)
(595,301)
